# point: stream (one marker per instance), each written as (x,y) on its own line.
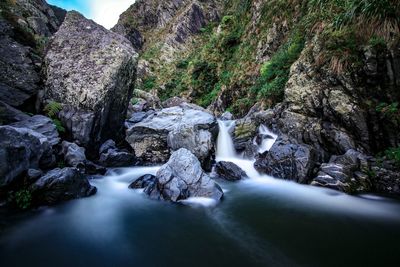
(262,221)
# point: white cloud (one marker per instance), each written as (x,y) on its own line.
(106,12)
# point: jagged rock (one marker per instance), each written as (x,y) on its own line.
(143,181)
(22,149)
(19,76)
(226,116)
(343,173)
(90,70)
(182,177)
(33,174)
(74,155)
(386,181)
(187,126)
(288,161)
(61,185)
(229,171)
(42,125)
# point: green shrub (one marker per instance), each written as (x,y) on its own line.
(393,154)
(149,83)
(23,199)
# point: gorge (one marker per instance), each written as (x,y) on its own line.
(201,133)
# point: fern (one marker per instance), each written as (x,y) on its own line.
(52,109)
(59,126)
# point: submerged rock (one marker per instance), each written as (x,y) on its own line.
(229,171)
(91,71)
(61,185)
(182,177)
(185,126)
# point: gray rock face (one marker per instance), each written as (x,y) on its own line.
(111,156)
(182,177)
(288,161)
(74,155)
(229,171)
(343,173)
(19,76)
(185,126)
(90,70)
(61,185)
(173,102)
(22,149)
(42,125)
(9,114)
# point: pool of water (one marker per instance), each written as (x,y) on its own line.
(260,222)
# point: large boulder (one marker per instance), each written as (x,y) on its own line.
(143,181)
(22,149)
(42,125)
(8,114)
(229,171)
(182,177)
(74,155)
(184,126)
(90,71)
(288,161)
(61,185)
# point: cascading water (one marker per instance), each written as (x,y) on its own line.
(226,148)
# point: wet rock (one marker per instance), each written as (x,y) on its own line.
(187,126)
(386,181)
(226,116)
(244,132)
(229,171)
(288,161)
(182,177)
(61,185)
(90,71)
(343,173)
(143,181)
(33,174)
(74,155)
(41,124)
(22,149)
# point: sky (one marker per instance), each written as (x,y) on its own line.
(104,12)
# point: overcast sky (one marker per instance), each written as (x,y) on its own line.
(104,12)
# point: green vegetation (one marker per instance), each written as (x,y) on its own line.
(393,154)
(224,59)
(51,110)
(22,198)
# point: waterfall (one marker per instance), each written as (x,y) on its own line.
(268,138)
(225,146)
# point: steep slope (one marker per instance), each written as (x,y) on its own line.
(325,74)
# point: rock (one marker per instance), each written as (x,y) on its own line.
(244,132)
(61,185)
(22,149)
(288,161)
(93,169)
(226,116)
(74,155)
(111,156)
(9,114)
(33,174)
(182,177)
(143,181)
(90,71)
(19,76)
(342,173)
(187,126)
(42,125)
(173,102)
(152,101)
(386,181)
(117,158)
(229,171)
